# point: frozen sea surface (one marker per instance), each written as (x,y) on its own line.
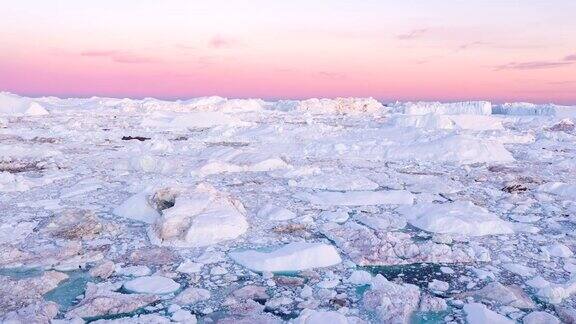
(322,210)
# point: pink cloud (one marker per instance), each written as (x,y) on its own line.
(416,33)
(535,65)
(332,75)
(118,57)
(570,57)
(98,53)
(220,41)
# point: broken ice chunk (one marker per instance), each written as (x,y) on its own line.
(460,217)
(276,213)
(200,218)
(290,257)
(152,285)
(477,313)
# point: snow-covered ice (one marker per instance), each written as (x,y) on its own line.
(462,217)
(345,210)
(290,257)
(152,285)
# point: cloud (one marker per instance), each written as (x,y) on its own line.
(570,58)
(332,75)
(98,53)
(131,59)
(534,65)
(466,46)
(118,57)
(416,33)
(220,41)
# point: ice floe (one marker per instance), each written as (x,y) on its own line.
(290,257)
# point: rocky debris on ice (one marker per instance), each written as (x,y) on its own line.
(102,299)
(153,256)
(513,296)
(199,218)
(460,217)
(295,256)
(358,198)
(74,224)
(565,125)
(392,303)
(152,285)
(477,313)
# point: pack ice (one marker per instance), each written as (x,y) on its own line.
(344,210)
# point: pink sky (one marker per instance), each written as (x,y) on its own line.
(447,50)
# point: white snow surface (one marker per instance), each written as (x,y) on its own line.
(462,217)
(290,257)
(152,285)
(477,313)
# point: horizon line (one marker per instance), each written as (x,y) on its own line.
(275,99)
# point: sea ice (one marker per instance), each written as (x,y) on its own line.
(152,285)
(477,313)
(295,256)
(359,198)
(461,217)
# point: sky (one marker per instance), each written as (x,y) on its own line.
(446,50)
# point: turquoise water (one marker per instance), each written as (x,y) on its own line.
(428,317)
(21,272)
(65,294)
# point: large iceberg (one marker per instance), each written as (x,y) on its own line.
(199,218)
